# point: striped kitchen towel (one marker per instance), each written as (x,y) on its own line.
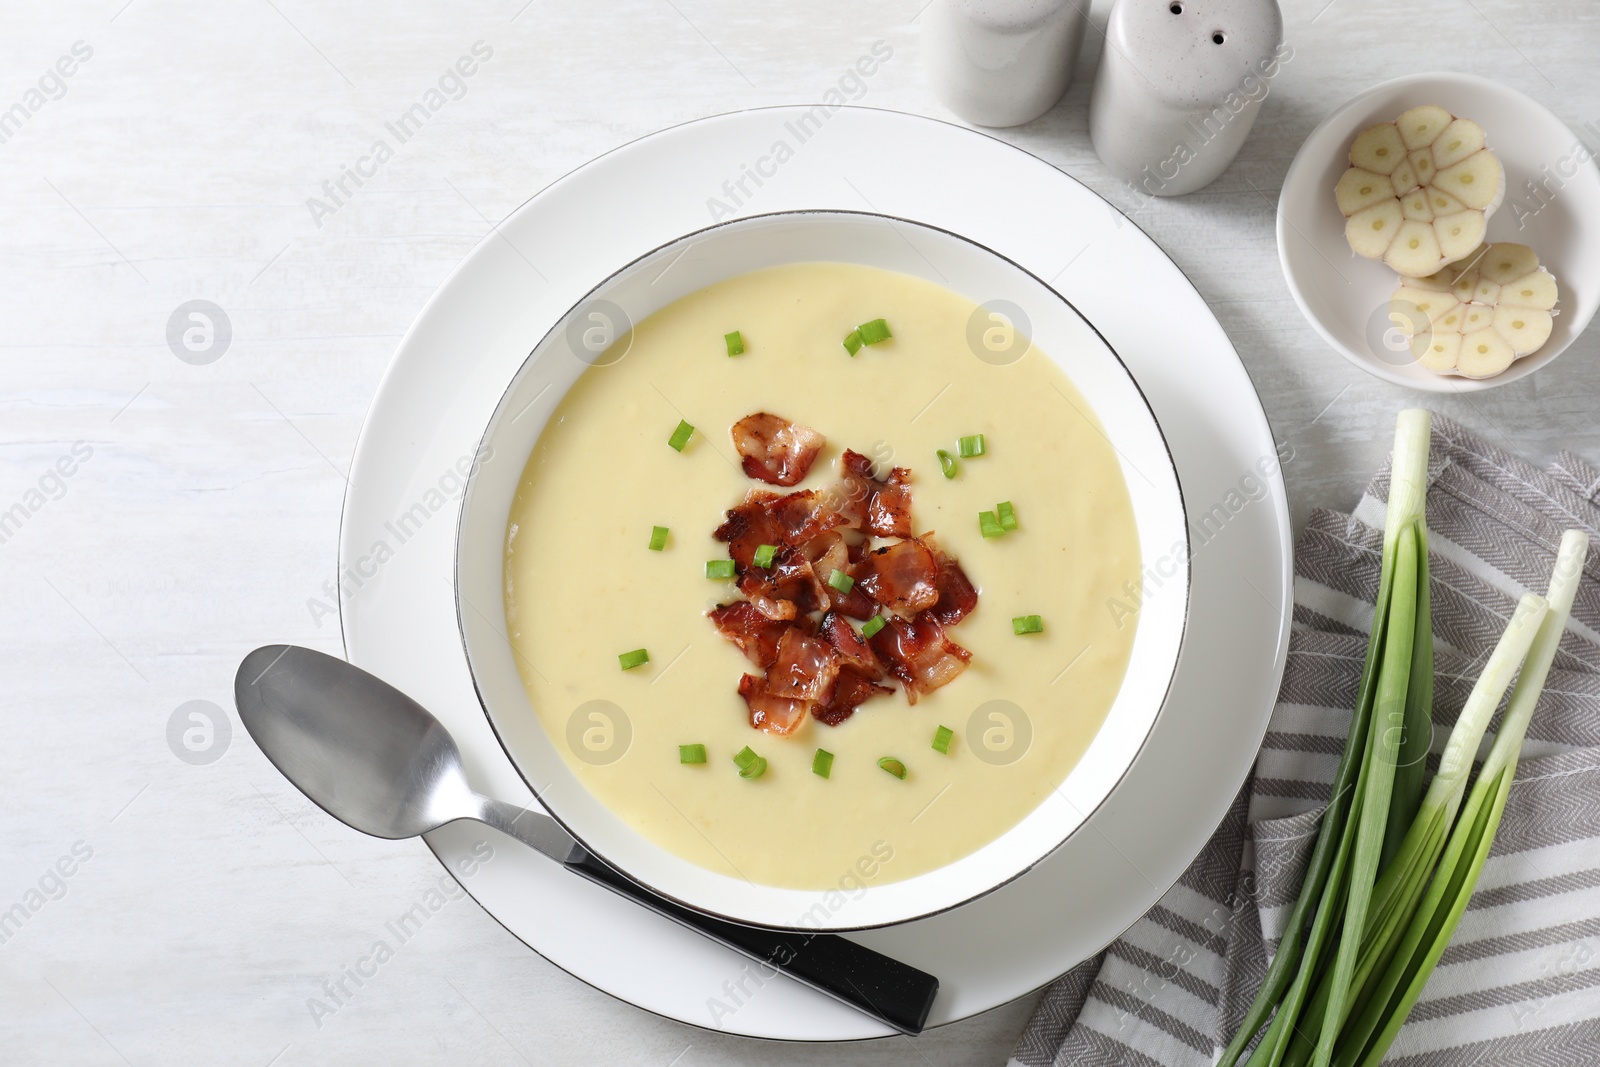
(1520,982)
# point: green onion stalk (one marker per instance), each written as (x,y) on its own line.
(1400,887)
(1403,530)
(1368,1036)
(1420,896)
(1355,823)
(1393,866)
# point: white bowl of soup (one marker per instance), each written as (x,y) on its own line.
(943,386)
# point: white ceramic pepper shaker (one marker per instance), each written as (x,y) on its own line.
(1001,62)
(1179,86)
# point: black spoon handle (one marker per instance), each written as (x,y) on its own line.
(885,989)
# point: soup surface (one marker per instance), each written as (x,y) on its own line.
(583,585)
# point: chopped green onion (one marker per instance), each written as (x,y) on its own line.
(1007,514)
(630,660)
(852,342)
(872,626)
(719,568)
(841,581)
(893,766)
(750,764)
(989,524)
(942,738)
(735,343)
(764,555)
(691,753)
(822,763)
(970,446)
(947,463)
(681,435)
(658,538)
(1027,624)
(874,331)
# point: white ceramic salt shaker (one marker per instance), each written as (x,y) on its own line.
(1001,62)
(1179,86)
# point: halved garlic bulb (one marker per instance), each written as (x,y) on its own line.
(1476,317)
(1419,190)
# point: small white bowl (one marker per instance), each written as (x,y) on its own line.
(1346,297)
(720,252)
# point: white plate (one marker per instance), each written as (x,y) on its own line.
(452,367)
(1346,298)
(686,266)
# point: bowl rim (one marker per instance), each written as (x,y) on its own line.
(1439,383)
(1170,669)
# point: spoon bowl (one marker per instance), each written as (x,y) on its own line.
(362,750)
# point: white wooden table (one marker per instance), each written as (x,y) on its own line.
(206,904)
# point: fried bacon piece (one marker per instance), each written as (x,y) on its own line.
(805,668)
(827,553)
(749,526)
(957,596)
(851,649)
(801,516)
(764,518)
(747,627)
(850,691)
(882,508)
(773,714)
(766,600)
(919,654)
(903,577)
(776,450)
(890,512)
(785,590)
(856,603)
(859,671)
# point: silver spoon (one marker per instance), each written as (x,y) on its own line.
(377,761)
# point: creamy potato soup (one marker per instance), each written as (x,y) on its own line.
(584,586)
